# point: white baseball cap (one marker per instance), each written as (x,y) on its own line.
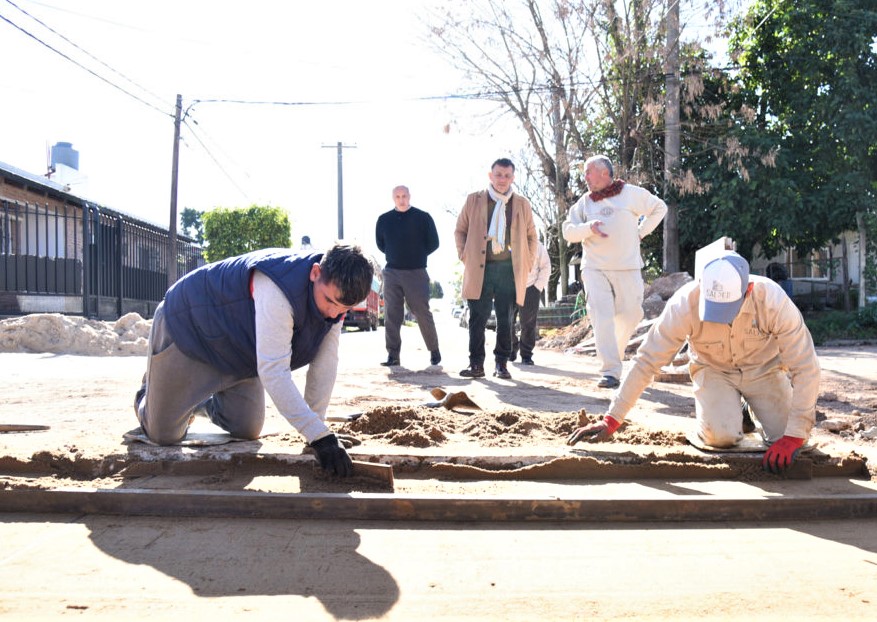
(722,288)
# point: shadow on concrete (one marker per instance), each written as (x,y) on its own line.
(254,557)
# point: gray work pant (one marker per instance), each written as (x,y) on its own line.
(175,385)
(529,315)
(411,286)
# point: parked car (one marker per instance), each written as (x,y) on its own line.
(366,315)
(491,321)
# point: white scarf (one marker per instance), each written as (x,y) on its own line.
(496,229)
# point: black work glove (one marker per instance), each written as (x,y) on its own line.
(332,456)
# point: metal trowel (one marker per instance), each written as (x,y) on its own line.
(344,418)
(457,400)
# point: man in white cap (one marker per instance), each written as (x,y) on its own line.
(746,338)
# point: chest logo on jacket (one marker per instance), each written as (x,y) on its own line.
(753,331)
(606,211)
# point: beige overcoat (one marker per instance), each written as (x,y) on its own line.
(470,236)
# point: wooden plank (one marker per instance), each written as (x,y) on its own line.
(21,427)
(363,507)
(376,471)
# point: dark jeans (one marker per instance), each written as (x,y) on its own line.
(528,314)
(498,293)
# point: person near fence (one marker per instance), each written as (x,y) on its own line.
(609,221)
(496,241)
(537,280)
(231,330)
(407,236)
(746,338)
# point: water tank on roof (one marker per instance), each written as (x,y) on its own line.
(64,153)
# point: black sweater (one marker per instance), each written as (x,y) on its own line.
(406,238)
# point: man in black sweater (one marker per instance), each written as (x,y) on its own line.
(407,235)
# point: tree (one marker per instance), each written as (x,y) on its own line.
(528,60)
(581,77)
(727,184)
(230,232)
(192,225)
(809,69)
(435,290)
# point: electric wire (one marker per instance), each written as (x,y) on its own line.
(214,159)
(84,51)
(484,94)
(81,66)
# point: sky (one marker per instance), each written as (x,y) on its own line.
(104,76)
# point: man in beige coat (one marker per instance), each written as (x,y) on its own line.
(496,241)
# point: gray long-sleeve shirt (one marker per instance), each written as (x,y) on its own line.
(274,328)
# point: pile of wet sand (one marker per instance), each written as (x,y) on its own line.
(508,427)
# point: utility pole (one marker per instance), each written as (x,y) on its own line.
(340,147)
(561,167)
(172,228)
(671,140)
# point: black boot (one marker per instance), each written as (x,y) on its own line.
(473,371)
(502,371)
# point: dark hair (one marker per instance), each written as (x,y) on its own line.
(505,163)
(350,270)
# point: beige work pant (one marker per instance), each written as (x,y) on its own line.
(615,308)
(718,406)
(175,385)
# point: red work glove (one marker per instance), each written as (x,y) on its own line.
(782,454)
(596,432)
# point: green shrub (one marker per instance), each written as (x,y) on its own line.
(867,317)
(230,232)
(827,326)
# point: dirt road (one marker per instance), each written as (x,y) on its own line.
(130,568)
(106,567)
(86,400)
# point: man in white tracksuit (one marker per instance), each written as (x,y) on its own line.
(610,221)
(746,338)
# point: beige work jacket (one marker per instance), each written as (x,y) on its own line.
(767,333)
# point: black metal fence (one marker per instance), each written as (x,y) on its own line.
(84,260)
(813,284)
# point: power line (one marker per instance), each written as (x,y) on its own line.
(484,94)
(80,65)
(84,51)
(213,158)
(215,146)
(481,95)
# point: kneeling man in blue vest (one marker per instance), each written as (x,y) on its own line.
(233,330)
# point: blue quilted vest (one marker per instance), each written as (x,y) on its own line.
(211,316)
